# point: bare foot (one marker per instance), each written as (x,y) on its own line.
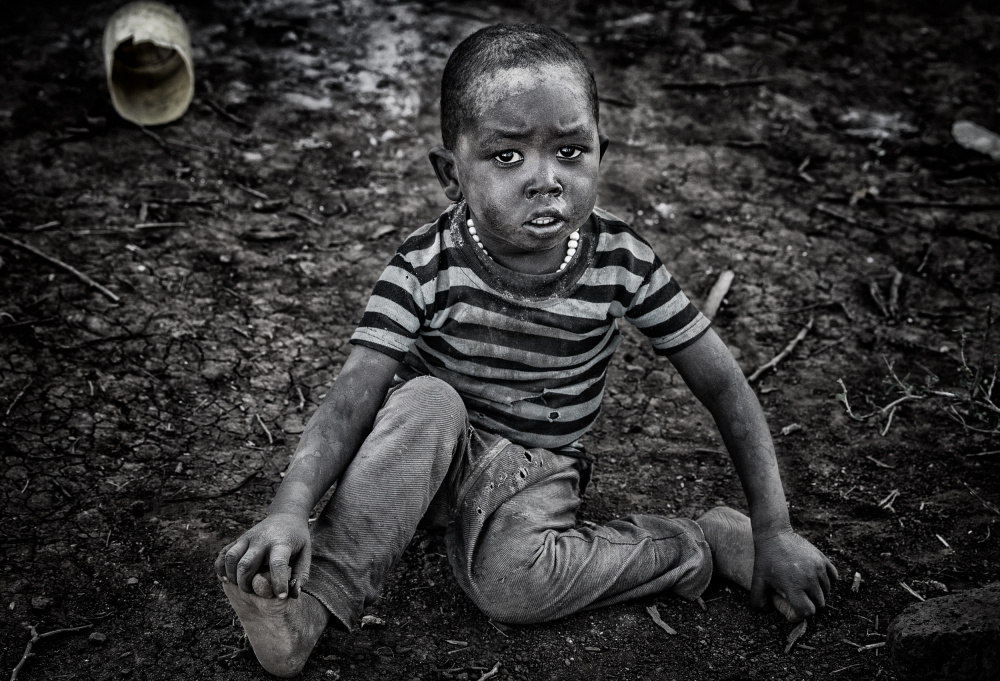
(282,632)
(729,534)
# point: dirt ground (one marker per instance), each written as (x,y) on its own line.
(806,146)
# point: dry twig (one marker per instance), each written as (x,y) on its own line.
(654,613)
(911,592)
(795,635)
(18,396)
(783,354)
(270,440)
(35,638)
(491,673)
(60,264)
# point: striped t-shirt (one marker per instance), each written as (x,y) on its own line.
(527,353)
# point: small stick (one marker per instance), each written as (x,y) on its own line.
(911,592)
(302,399)
(59,263)
(981,500)
(713,84)
(795,635)
(215,495)
(827,346)
(184,202)
(222,112)
(157,138)
(897,279)
(871,646)
(942,540)
(270,440)
(783,354)
(744,144)
(878,463)
(654,613)
(837,671)
(990,453)
(159,225)
(253,192)
(18,396)
(47,225)
(889,500)
(493,624)
(877,297)
(491,673)
(718,293)
(35,638)
(875,229)
(888,422)
(294,212)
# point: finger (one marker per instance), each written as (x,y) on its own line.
(801,603)
(785,608)
(758,591)
(300,572)
(824,583)
(815,593)
(220,560)
(248,566)
(831,570)
(280,570)
(233,557)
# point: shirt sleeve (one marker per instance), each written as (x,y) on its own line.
(664,314)
(395,311)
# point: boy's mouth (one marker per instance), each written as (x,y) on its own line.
(544,222)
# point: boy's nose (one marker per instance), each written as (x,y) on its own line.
(543,182)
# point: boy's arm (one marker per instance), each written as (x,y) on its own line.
(329,442)
(783,561)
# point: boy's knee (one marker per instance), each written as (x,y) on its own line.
(435,405)
(429,393)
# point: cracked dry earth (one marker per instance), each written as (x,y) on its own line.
(805,146)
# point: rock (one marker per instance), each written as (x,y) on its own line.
(954,637)
(98,638)
(40,603)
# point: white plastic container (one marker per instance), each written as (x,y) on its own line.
(147,57)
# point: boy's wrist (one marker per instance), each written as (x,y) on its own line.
(767,526)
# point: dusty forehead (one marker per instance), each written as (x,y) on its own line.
(488,89)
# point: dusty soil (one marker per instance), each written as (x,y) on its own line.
(138,436)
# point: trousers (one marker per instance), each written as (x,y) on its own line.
(509,513)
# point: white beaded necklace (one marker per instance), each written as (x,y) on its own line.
(571,245)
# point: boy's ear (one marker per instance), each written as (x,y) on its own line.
(443,161)
(604,142)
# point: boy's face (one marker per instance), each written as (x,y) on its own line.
(528,163)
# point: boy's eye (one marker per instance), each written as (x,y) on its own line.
(508,158)
(569,152)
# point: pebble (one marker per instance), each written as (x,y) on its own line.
(98,638)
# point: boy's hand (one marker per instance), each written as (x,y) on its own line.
(276,542)
(787,564)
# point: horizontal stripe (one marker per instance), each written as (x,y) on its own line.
(529,368)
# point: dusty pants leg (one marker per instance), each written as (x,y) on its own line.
(517,553)
(384,493)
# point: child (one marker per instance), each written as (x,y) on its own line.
(478,365)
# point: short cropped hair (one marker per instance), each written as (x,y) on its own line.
(496,48)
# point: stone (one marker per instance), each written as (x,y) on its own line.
(954,637)
(40,603)
(98,638)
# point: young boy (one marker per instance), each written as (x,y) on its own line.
(478,365)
